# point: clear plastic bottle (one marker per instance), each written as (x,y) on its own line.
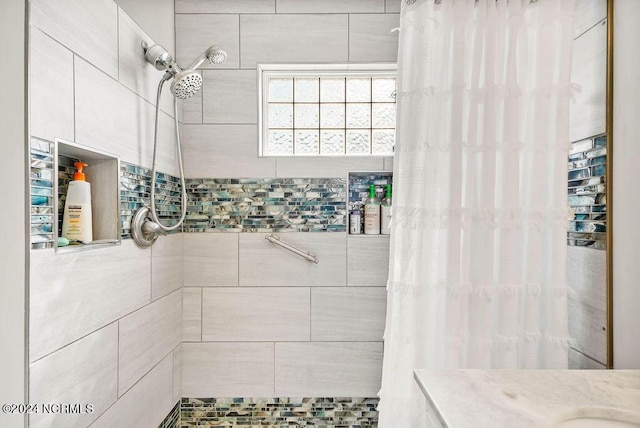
(355,221)
(386,213)
(372,213)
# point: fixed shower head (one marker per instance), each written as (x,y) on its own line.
(186,84)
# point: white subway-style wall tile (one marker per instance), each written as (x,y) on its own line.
(255,314)
(228,369)
(265,264)
(177,373)
(348,314)
(367,261)
(392,6)
(75,294)
(196,32)
(587,14)
(587,114)
(71,21)
(388,164)
(111,118)
(134,71)
(224,151)
(85,372)
(586,271)
(230,96)
(51,88)
(146,404)
(146,336)
(371,39)
(166,265)
(191,314)
(210,259)
(328,369)
(291,167)
(225,6)
(586,325)
(293,38)
(580,361)
(156,18)
(330,6)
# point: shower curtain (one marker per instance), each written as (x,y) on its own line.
(478,238)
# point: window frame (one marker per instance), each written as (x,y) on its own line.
(267,71)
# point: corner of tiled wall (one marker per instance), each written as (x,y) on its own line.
(110,316)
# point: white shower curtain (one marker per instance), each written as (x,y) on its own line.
(478,242)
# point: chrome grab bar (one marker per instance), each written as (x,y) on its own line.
(276,240)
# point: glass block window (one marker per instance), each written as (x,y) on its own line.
(327,110)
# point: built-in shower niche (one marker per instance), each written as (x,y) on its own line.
(102,173)
(358,185)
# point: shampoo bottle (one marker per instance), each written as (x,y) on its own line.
(386,213)
(76,222)
(355,221)
(372,213)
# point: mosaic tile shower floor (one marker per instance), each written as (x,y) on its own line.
(274,412)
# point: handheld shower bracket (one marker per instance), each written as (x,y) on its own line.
(144,230)
(157,56)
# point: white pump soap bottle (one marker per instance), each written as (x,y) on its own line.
(76,223)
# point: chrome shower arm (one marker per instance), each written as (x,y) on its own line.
(198,61)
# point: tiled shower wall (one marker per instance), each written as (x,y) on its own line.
(104,324)
(587,266)
(260,321)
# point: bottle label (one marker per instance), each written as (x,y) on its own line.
(76,223)
(355,224)
(372,219)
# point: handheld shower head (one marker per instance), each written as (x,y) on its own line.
(214,54)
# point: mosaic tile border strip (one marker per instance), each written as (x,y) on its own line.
(214,205)
(173,418)
(266,205)
(41,165)
(587,193)
(135,191)
(336,412)
(135,188)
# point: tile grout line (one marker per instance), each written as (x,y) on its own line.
(75,107)
(118,364)
(239,41)
(348,40)
(310,316)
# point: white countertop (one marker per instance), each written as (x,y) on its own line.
(527,398)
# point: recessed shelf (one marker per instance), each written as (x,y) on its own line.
(102,172)
(358,184)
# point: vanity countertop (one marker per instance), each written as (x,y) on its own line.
(527,398)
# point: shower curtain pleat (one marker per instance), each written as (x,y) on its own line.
(478,242)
